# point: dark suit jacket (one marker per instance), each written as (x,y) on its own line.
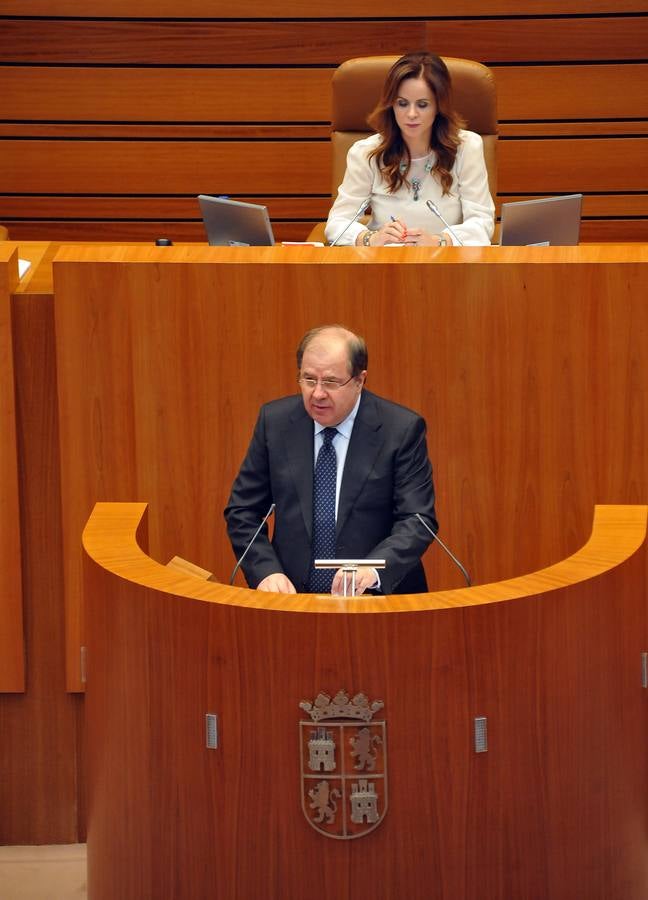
(387,478)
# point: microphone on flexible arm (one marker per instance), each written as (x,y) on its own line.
(365,203)
(431,205)
(443,546)
(254,537)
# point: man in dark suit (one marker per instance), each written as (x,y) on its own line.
(378,479)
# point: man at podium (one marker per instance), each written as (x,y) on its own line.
(347,472)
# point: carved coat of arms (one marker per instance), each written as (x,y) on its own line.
(344,765)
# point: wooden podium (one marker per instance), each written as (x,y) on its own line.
(551,663)
(528,364)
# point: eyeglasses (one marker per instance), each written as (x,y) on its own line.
(327,384)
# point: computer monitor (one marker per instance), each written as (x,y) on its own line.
(231,223)
(548,220)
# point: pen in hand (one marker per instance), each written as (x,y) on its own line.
(394,219)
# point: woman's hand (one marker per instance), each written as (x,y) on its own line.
(396,232)
(393,232)
(422,238)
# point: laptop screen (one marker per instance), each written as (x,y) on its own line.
(231,223)
(548,220)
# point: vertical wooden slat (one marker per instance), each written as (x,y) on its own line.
(39,762)
(12,664)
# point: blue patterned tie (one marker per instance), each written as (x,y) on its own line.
(324,481)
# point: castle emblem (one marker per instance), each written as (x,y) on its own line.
(321,751)
(344,765)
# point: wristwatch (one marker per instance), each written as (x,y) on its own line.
(366,237)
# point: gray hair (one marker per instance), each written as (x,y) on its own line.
(358,355)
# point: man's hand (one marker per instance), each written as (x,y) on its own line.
(277,583)
(365,579)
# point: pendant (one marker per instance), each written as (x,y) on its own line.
(416,187)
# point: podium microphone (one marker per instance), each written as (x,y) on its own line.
(437,212)
(365,203)
(254,537)
(443,546)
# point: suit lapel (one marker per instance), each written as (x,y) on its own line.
(364,446)
(298,446)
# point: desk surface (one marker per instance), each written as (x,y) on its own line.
(39,278)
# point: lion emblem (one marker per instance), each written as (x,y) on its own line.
(323,800)
(362,750)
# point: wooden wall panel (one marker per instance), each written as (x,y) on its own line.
(526,39)
(12,664)
(39,745)
(216,74)
(614,230)
(218,43)
(294,9)
(137,131)
(169,95)
(192,167)
(120,207)
(206,43)
(304,207)
(572,92)
(565,166)
(615,128)
(302,95)
(597,230)
(184,167)
(121,231)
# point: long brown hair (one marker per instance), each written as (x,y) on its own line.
(444,139)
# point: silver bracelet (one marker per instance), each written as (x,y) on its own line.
(366,237)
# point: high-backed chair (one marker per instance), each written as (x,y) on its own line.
(357,85)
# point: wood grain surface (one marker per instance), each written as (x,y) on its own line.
(546,339)
(295,95)
(253,9)
(596,231)
(572,92)
(157,209)
(167,95)
(122,75)
(554,668)
(12,664)
(575,72)
(41,788)
(570,74)
(208,42)
(550,165)
(219,167)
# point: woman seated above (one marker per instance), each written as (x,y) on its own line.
(419,153)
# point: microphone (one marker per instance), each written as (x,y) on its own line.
(365,203)
(439,541)
(437,212)
(254,537)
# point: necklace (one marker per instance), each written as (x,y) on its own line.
(417,182)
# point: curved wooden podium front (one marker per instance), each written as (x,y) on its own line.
(556,808)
